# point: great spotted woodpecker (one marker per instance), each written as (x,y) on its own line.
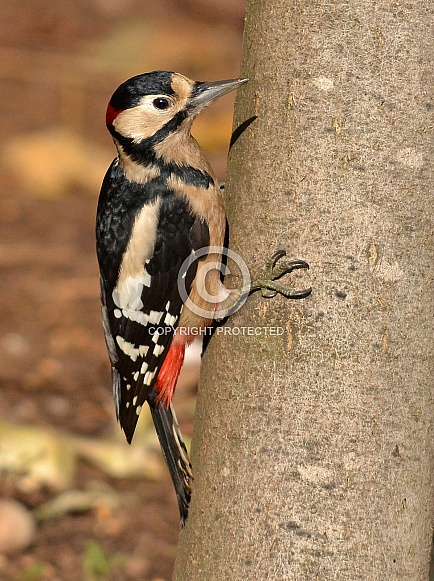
(160,203)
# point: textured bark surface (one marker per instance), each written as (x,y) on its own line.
(313,450)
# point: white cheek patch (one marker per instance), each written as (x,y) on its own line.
(144,119)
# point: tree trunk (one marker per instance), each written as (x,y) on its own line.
(313,449)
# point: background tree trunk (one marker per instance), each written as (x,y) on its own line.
(313,449)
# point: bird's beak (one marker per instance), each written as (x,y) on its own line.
(205,93)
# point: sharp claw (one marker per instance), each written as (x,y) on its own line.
(294,265)
(273,272)
(276,256)
(279,271)
(268,294)
(290,266)
(302,294)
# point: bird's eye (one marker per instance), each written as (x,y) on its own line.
(161,103)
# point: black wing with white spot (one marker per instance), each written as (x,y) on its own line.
(141,312)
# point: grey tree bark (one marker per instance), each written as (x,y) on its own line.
(313,449)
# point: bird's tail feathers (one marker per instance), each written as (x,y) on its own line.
(175,453)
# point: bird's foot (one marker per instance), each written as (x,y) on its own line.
(273,271)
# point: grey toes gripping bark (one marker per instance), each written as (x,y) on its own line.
(274,270)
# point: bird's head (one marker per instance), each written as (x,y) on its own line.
(155,104)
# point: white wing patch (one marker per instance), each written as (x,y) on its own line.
(155,317)
(158,350)
(149,376)
(128,302)
(128,292)
(170,319)
(130,350)
(137,316)
(133,276)
(141,245)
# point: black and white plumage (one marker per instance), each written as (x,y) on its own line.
(159,203)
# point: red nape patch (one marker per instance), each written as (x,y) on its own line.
(111,114)
(169,373)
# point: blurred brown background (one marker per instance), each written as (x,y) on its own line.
(103,510)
